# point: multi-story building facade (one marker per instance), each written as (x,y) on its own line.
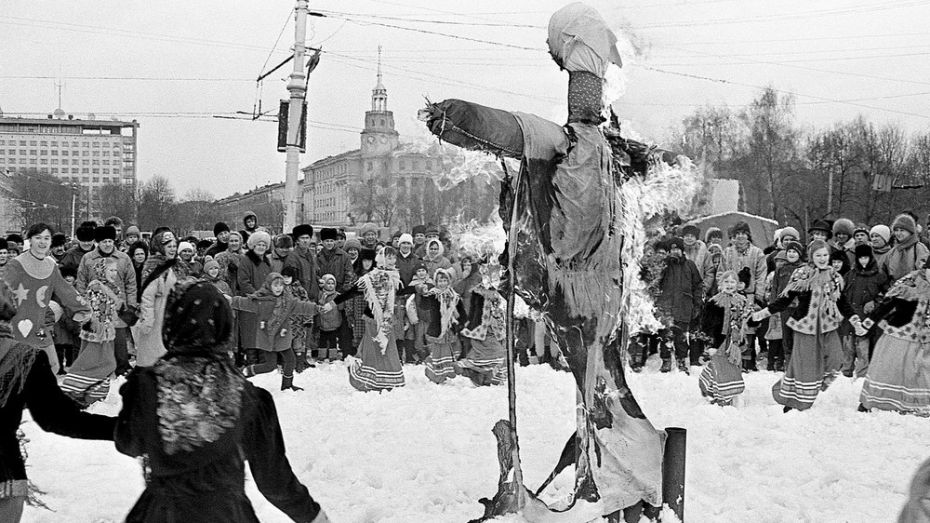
(86,154)
(266,202)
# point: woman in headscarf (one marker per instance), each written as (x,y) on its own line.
(159,276)
(26,380)
(446,310)
(355,307)
(484,325)
(196,420)
(434,259)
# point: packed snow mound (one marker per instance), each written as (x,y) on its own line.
(425,452)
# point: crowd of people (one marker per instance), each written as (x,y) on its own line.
(851,300)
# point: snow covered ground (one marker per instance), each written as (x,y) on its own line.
(425,453)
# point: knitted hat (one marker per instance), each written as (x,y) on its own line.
(328,233)
(58,240)
(368,227)
(789,231)
(211,263)
(132,230)
(107,232)
(904,221)
(692,230)
(821,225)
(255,237)
(712,232)
(863,250)
(283,241)
(352,244)
(220,227)
(406,238)
(185,245)
(794,246)
(844,226)
(302,230)
(882,231)
(861,227)
(85,234)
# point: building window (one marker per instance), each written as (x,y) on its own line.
(75,144)
(33,143)
(43,162)
(54,143)
(106,153)
(22,152)
(32,152)
(85,170)
(54,152)
(86,153)
(96,144)
(22,143)
(96,179)
(54,170)
(403,165)
(96,153)
(32,161)
(86,144)
(54,161)
(64,153)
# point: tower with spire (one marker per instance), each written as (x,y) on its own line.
(379,136)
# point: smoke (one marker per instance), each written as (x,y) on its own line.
(458,164)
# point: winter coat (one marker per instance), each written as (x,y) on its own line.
(208,482)
(332,320)
(147,331)
(37,281)
(681,290)
(337,263)
(124,268)
(734,260)
(72,257)
(252,272)
(277,261)
(905,257)
(229,269)
(712,262)
(864,286)
(29,382)
(216,248)
(272,316)
(305,263)
(407,266)
(434,328)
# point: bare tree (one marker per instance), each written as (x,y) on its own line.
(119,200)
(156,203)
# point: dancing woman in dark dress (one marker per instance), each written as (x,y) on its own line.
(196,420)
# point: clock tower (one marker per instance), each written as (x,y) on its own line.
(379,136)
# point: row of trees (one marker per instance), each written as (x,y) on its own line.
(797,175)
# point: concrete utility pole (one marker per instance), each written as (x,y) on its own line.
(298,90)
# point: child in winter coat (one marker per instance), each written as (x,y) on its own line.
(865,285)
(330,321)
(88,378)
(749,348)
(66,331)
(273,311)
(211,273)
(725,317)
(300,325)
(421,319)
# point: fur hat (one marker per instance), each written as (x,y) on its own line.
(418,229)
(65,272)
(739,227)
(352,244)
(432,230)
(844,226)
(15,238)
(692,230)
(676,241)
(712,232)
(204,244)
(368,227)
(861,227)
(220,227)
(406,238)
(367,254)
(328,233)
(85,234)
(882,231)
(132,230)
(863,249)
(185,245)
(283,241)
(107,232)
(302,230)
(254,238)
(396,234)
(794,246)
(904,221)
(821,225)
(290,271)
(58,240)
(789,231)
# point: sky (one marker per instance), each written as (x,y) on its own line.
(175,65)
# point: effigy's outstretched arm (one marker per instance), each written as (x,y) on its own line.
(474,127)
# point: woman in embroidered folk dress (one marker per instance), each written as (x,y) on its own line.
(821,307)
(724,317)
(274,310)
(898,378)
(378,365)
(446,308)
(485,326)
(196,420)
(88,378)
(26,380)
